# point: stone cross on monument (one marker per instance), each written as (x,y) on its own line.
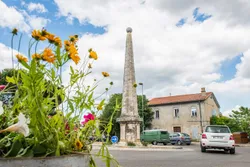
(129,119)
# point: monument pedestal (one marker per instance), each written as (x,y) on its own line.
(129,129)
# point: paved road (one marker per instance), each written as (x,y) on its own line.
(192,157)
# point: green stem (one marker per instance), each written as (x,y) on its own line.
(36,46)
(12,56)
(19,44)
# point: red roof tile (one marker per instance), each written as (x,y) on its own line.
(179,99)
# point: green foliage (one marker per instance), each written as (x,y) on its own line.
(131,144)
(239,121)
(108,110)
(4,73)
(144,143)
(242,119)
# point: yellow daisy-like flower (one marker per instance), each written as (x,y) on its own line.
(36,34)
(44,33)
(36,56)
(67,45)
(58,41)
(78,144)
(21,58)
(105,74)
(73,38)
(99,107)
(90,65)
(48,55)
(51,38)
(14,31)
(75,58)
(93,55)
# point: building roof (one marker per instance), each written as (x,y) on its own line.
(179,99)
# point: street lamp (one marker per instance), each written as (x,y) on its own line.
(142,106)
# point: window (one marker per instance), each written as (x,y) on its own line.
(176,112)
(157,114)
(217,129)
(164,132)
(193,112)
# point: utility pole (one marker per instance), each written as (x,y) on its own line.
(142,106)
(200,117)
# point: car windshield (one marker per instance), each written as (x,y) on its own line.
(217,129)
(185,135)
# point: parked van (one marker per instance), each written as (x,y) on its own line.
(155,136)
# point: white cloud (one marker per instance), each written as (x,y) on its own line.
(37,22)
(20,19)
(243,69)
(170,59)
(36,7)
(227,113)
(6,58)
(12,18)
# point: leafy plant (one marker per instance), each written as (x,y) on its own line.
(50,117)
(144,143)
(132,144)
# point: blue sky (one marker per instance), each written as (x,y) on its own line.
(182,46)
(56,25)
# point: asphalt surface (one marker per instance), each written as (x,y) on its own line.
(189,156)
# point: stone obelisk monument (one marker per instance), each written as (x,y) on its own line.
(129,119)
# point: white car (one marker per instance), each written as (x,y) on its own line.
(217,137)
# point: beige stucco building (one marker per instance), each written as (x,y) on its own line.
(184,113)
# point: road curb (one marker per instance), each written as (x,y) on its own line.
(145,149)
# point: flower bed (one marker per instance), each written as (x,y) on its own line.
(48,117)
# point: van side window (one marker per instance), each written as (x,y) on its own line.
(163,132)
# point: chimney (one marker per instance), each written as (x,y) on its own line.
(203,91)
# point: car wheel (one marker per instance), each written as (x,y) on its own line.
(165,144)
(173,143)
(154,143)
(188,144)
(203,149)
(179,142)
(232,151)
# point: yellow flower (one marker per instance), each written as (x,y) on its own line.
(99,107)
(48,55)
(89,66)
(93,55)
(44,32)
(73,38)
(78,144)
(105,74)
(50,37)
(58,41)
(14,31)
(36,56)
(21,58)
(36,34)
(67,45)
(75,58)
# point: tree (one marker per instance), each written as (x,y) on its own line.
(109,108)
(238,121)
(223,120)
(242,119)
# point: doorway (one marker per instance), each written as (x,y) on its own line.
(177,129)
